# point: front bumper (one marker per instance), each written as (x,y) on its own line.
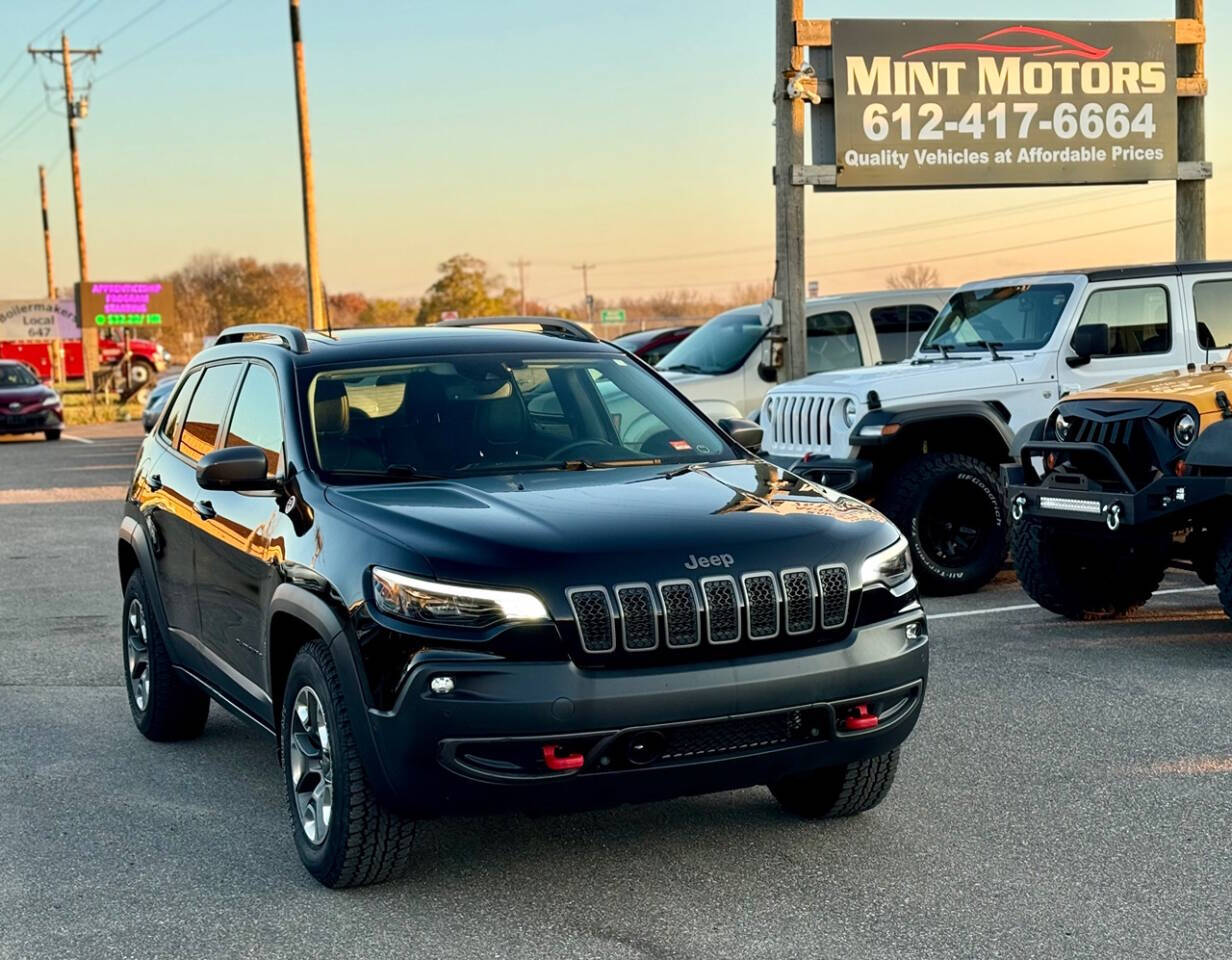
(1167,500)
(845,476)
(716,725)
(43,418)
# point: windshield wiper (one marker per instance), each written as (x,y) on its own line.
(944,350)
(991,347)
(684,368)
(401,471)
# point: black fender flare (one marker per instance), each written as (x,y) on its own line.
(1213,448)
(134,535)
(869,431)
(1029,434)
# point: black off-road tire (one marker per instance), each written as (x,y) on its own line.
(51,434)
(175,708)
(365,843)
(1087,575)
(841,791)
(1223,570)
(911,499)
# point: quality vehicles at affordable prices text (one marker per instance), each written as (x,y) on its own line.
(925,439)
(727,366)
(457,570)
(1118,483)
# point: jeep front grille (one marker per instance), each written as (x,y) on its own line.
(681,613)
(596,622)
(796,604)
(835,595)
(798,422)
(639,623)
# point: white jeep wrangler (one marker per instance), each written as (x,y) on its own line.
(924,438)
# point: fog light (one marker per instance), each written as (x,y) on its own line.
(442,685)
(917,631)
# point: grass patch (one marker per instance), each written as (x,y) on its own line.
(78,410)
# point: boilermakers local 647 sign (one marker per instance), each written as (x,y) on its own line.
(960,103)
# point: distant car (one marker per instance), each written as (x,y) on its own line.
(157,400)
(26,404)
(653,345)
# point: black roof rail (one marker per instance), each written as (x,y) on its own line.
(552,326)
(292,337)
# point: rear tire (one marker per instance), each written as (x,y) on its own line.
(51,434)
(1087,577)
(841,791)
(344,836)
(950,508)
(164,705)
(1223,570)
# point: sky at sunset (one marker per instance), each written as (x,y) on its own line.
(635,135)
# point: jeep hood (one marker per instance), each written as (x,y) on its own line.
(560,528)
(904,381)
(1198,389)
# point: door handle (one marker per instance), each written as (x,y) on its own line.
(205,509)
(155,482)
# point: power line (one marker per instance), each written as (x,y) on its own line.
(84,13)
(11,131)
(71,7)
(167,39)
(16,83)
(137,19)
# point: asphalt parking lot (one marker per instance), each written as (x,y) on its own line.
(1067,793)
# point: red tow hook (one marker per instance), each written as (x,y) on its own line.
(862,719)
(566,761)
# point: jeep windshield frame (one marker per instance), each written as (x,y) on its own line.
(411,420)
(1016,316)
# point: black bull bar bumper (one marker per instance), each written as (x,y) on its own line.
(1068,496)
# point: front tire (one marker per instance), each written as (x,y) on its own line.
(51,434)
(841,791)
(164,705)
(344,836)
(1087,576)
(950,508)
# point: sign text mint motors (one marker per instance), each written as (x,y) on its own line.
(958,103)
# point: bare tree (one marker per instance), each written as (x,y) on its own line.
(918,276)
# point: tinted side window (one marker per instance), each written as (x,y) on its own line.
(1137,319)
(899,329)
(257,420)
(205,412)
(832,342)
(175,416)
(1213,309)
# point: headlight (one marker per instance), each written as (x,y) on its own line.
(451,604)
(52,401)
(1185,429)
(849,413)
(1063,427)
(890,566)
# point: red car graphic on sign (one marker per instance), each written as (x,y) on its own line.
(1055,45)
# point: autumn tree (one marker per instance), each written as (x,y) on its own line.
(466,286)
(918,276)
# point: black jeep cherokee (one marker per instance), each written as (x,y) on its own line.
(464,570)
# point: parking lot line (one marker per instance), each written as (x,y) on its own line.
(1035,606)
(69,436)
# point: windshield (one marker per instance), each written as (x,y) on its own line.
(15,375)
(719,345)
(462,416)
(1019,317)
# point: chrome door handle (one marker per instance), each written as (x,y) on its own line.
(205,509)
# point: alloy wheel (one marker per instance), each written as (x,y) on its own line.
(137,647)
(312,772)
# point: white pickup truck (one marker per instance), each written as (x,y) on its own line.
(924,438)
(720,367)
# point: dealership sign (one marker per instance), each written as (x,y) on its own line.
(38,320)
(124,304)
(931,103)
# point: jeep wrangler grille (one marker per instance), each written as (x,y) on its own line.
(639,623)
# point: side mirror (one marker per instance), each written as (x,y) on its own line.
(745,432)
(768,373)
(1090,340)
(234,468)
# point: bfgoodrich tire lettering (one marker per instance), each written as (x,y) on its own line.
(1087,575)
(164,705)
(364,842)
(950,508)
(838,791)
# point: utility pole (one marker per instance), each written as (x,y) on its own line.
(1191,142)
(51,282)
(316,297)
(521,264)
(590,303)
(75,110)
(788,197)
